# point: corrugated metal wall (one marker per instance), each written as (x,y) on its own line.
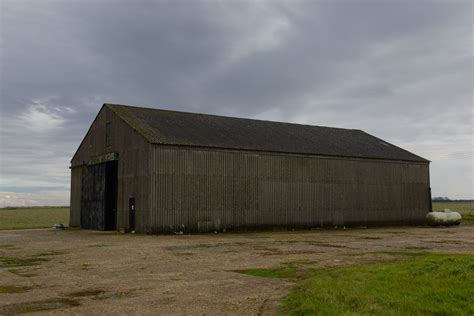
(201,190)
(76,192)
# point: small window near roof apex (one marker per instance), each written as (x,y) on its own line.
(108,134)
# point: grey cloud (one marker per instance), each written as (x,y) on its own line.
(399,69)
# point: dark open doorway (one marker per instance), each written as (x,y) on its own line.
(111,195)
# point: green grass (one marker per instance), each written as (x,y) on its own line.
(285,272)
(38,306)
(33,217)
(10,262)
(8,289)
(48,253)
(86,266)
(466,209)
(430,284)
(26,273)
(85,293)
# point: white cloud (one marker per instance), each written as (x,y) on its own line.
(39,118)
(48,198)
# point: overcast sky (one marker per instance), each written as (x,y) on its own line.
(400,70)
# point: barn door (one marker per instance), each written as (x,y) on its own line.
(93,197)
(99,196)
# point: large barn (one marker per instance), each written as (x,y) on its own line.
(160,171)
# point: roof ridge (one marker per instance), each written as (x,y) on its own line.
(227,117)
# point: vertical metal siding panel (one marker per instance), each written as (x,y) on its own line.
(249,190)
(76,193)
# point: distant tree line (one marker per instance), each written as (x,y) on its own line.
(441,198)
(446,199)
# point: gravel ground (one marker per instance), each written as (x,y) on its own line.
(110,273)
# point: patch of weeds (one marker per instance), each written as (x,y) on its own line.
(86,266)
(468,218)
(328,245)
(9,247)
(288,252)
(183,254)
(279,273)
(355,254)
(261,247)
(291,241)
(49,253)
(298,262)
(38,306)
(457,242)
(231,250)
(401,253)
(417,248)
(8,262)
(85,293)
(14,289)
(220,247)
(188,247)
(114,295)
(98,245)
(165,301)
(26,273)
(108,233)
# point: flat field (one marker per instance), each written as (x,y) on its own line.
(45,217)
(33,217)
(466,209)
(383,271)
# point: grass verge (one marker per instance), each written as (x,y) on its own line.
(33,217)
(425,284)
(466,209)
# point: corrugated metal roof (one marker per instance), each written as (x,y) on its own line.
(203,130)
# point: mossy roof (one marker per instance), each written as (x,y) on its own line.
(203,130)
